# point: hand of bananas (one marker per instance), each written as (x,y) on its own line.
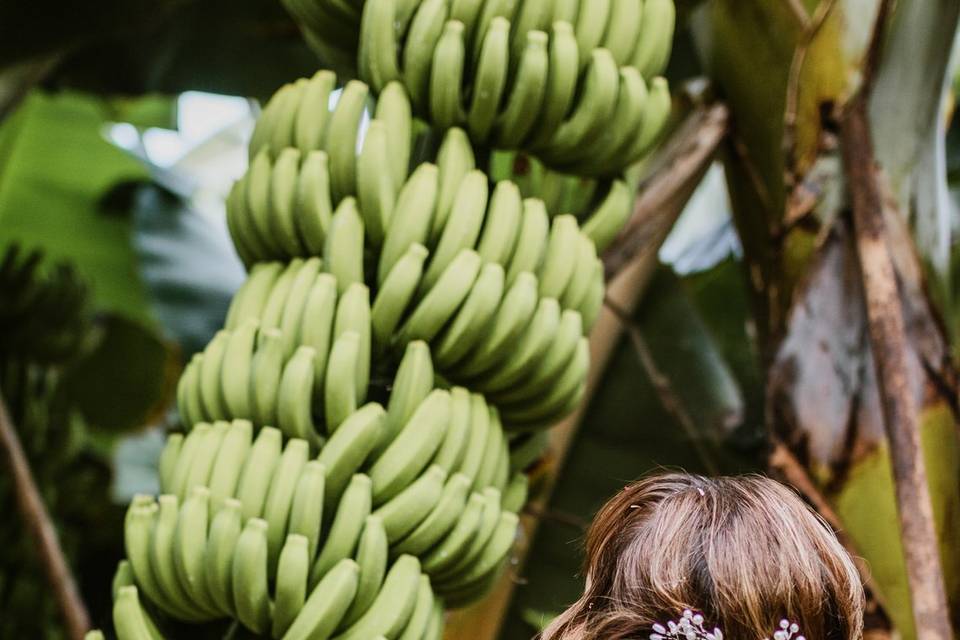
(357,434)
(573,81)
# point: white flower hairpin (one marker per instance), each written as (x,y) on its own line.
(690,627)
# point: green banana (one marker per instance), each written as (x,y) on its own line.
(527,449)
(422,612)
(267,367)
(279,499)
(531,242)
(291,588)
(237,369)
(558,265)
(252,297)
(479,430)
(534,343)
(451,547)
(307,509)
(313,115)
(341,139)
(623,31)
(189,546)
(443,300)
(314,202)
(258,471)
(344,249)
(591,25)
(411,219)
(516,310)
(606,222)
(440,521)
(225,529)
(327,604)
(592,113)
(411,386)
(579,284)
(489,519)
(292,314)
(394,110)
(491,78)
(282,212)
(317,328)
(203,460)
(446,76)
(453,448)
(476,312)
(210,396)
(412,449)
(492,450)
(527,93)
(348,448)
(345,528)
(168,459)
(425,31)
(129,619)
(353,314)
(231,455)
(378,45)
(394,605)
(404,512)
(515,495)
(340,389)
(373,559)
(455,160)
(502,225)
(375,189)
(656,35)
(395,295)
(272,311)
(462,227)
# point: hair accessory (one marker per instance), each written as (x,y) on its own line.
(690,627)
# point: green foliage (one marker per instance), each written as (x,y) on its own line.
(54,168)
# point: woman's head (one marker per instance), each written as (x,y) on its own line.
(744,551)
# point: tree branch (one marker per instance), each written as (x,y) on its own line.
(888,341)
(676,174)
(664,388)
(41,529)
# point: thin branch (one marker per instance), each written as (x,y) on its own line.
(783,461)
(799,11)
(888,341)
(41,529)
(676,175)
(664,388)
(17,81)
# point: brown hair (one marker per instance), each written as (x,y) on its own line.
(746,552)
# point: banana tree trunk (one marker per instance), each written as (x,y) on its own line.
(837,396)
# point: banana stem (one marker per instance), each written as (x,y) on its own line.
(41,529)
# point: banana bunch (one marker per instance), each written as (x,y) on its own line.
(455,431)
(570,81)
(357,435)
(44,314)
(294,346)
(307,163)
(527,355)
(239,514)
(196,561)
